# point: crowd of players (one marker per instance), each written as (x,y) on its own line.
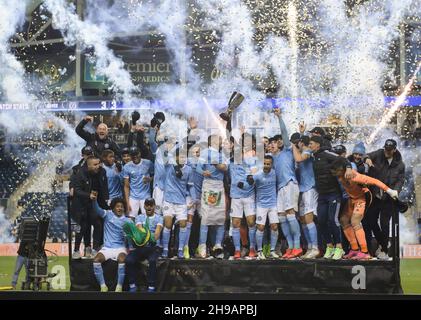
(325,203)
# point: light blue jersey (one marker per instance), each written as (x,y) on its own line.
(208,158)
(113,229)
(154,221)
(135,173)
(238,173)
(306,179)
(115,181)
(265,189)
(177,189)
(159,169)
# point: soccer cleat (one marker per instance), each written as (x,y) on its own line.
(202,251)
(338,254)
(132,289)
(76,255)
(93,253)
(118,288)
(186,252)
(164,253)
(273,255)
(287,254)
(330,251)
(104,288)
(296,253)
(180,254)
(361,256)
(151,289)
(252,253)
(313,253)
(351,254)
(237,255)
(261,255)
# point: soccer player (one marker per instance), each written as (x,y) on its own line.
(178,186)
(242,201)
(125,156)
(212,165)
(114,243)
(265,184)
(288,193)
(355,208)
(137,177)
(308,194)
(153,222)
(113,172)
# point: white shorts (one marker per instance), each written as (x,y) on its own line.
(136,205)
(243,205)
(112,253)
(308,202)
(262,214)
(158,196)
(179,211)
(288,197)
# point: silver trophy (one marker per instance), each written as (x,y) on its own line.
(235,100)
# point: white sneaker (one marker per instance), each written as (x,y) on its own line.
(274,255)
(312,253)
(202,251)
(261,256)
(383,256)
(76,255)
(118,288)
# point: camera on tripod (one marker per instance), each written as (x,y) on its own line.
(32,236)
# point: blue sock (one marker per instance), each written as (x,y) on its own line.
(220,230)
(166,238)
(121,273)
(259,239)
(188,231)
(236,238)
(182,238)
(295,230)
(99,274)
(203,234)
(307,235)
(252,237)
(312,230)
(286,231)
(273,239)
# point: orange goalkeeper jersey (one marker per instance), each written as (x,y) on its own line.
(356,187)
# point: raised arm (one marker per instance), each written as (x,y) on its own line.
(80,129)
(284,131)
(300,156)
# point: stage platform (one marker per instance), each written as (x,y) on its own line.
(254,276)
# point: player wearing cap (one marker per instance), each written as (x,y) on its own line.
(386,165)
(308,193)
(137,177)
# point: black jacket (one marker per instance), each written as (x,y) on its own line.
(392,175)
(325,182)
(145,151)
(92,139)
(83,183)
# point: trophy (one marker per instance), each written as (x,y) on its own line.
(235,100)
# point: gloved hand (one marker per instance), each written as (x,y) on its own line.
(392,193)
(178,171)
(250,180)
(135,117)
(240,185)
